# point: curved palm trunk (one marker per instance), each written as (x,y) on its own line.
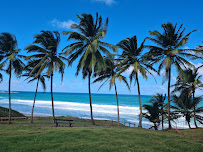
(93,123)
(193,96)
(189,124)
(138,88)
(52,99)
(117,104)
(34,101)
(169,115)
(9,92)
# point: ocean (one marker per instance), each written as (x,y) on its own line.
(77,105)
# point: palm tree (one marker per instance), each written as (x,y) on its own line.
(132,57)
(46,57)
(191,80)
(153,114)
(169,51)
(89,46)
(10,60)
(159,99)
(184,104)
(110,74)
(32,77)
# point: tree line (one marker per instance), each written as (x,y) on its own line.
(102,62)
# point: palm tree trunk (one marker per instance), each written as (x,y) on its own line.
(162,117)
(189,124)
(169,115)
(34,101)
(92,120)
(9,92)
(52,99)
(193,94)
(117,104)
(155,127)
(138,88)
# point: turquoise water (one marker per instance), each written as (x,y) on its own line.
(77,104)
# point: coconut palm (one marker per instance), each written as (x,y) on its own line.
(169,51)
(89,46)
(32,77)
(184,103)
(10,60)
(46,57)
(153,114)
(191,80)
(159,98)
(110,74)
(132,58)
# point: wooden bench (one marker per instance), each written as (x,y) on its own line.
(12,118)
(70,122)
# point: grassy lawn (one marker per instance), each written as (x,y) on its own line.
(4,113)
(44,138)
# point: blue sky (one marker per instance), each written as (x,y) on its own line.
(127,18)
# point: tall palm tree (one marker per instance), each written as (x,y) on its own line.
(46,57)
(159,99)
(110,74)
(191,80)
(184,104)
(169,51)
(132,57)
(10,60)
(89,46)
(32,77)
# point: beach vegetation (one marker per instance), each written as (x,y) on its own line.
(89,47)
(11,60)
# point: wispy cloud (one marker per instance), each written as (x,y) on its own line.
(130,69)
(107,2)
(62,24)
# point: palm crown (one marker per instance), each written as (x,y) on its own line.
(9,54)
(89,44)
(30,77)
(110,73)
(132,57)
(168,47)
(47,53)
(188,79)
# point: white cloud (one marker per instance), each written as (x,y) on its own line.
(107,2)
(130,69)
(200,71)
(62,24)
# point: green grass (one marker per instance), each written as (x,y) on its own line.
(4,113)
(58,139)
(21,136)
